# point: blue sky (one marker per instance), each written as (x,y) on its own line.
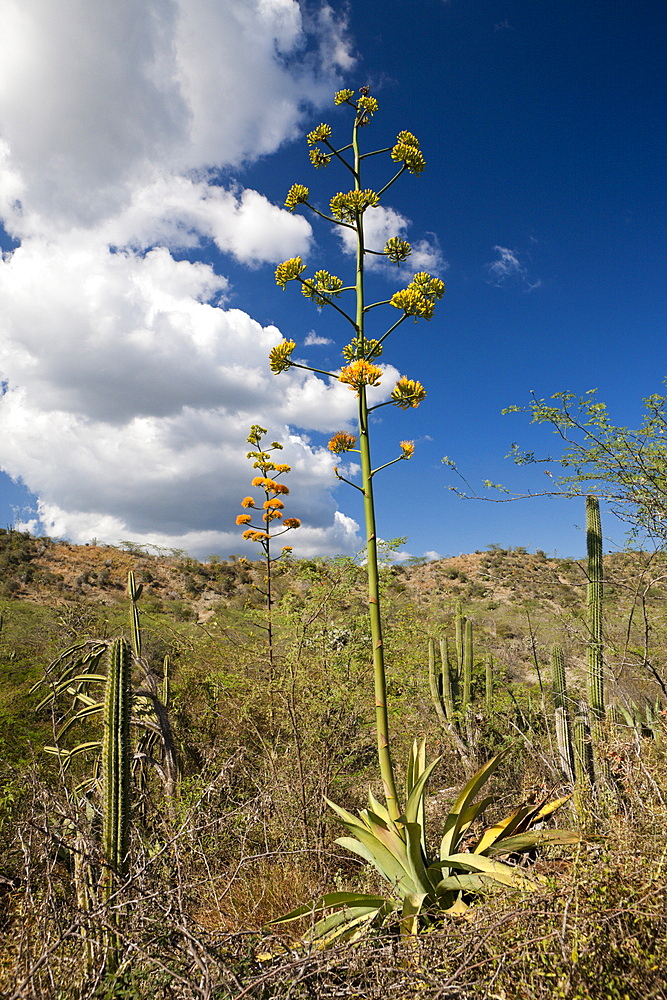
(142,170)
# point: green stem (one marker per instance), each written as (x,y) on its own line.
(379,675)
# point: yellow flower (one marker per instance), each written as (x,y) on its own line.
(318,158)
(244,519)
(341,96)
(407,151)
(247,502)
(318,134)
(369,104)
(275,503)
(297,195)
(397,250)
(292,522)
(289,270)
(346,207)
(286,549)
(342,442)
(407,393)
(360,373)
(282,468)
(371,349)
(280,356)
(408,448)
(322,287)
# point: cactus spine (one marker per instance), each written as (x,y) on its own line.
(594,608)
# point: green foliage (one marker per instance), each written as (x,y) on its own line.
(626,467)
(423,889)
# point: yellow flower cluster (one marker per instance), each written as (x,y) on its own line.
(419,298)
(397,250)
(341,96)
(297,195)
(318,158)
(370,349)
(367,104)
(408,448)
(282,468)
(244,519)
(407,393)
(289,270)
(347,207)
(275,503)
(342,441)
(360,373)
(321,287)
(318,134)
(407,151)
(280,355)
(292,522)
(247,502)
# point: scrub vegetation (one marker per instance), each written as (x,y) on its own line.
(439,780)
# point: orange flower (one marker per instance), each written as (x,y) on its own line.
(360,373)
(341,442)
(292,522)
(275,503)
(247,502)
(244,519)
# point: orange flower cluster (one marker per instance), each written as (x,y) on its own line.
(360,373)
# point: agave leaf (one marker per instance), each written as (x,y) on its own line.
(388,853)
(496,870)
(416,765)
(533,838)
(378,809)
(330,899)
(550,807)
(410,911)
(348,819)
(504,827)
(469,816)
(470,882)
(415,803)
(416,859)
(345,925)
(455,819)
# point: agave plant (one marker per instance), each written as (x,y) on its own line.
(424,889)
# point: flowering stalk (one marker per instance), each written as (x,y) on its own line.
(269,513)
(416,300)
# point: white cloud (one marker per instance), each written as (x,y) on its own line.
(508,266)
(131,384)
(314,340)
(380,224)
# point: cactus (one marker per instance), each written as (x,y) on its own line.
(451,686)
(488,686)
(583,762)
(563,733)
(594,608)
(116,755)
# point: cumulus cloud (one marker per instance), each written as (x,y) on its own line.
(509,267)
(380,224)
(314,340)
(128,382)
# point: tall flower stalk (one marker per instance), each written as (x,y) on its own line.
(269,513)
(347,210)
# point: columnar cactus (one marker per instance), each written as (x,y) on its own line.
(594,607)
(561,713)
(116,756)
